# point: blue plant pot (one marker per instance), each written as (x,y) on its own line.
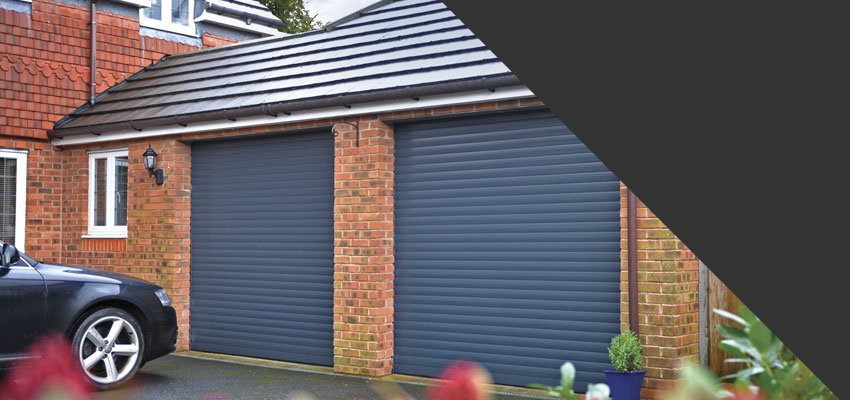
(625,385)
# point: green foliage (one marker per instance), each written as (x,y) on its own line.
(565,390)
(293,14)
(778,373)
(697,383)
(625,352)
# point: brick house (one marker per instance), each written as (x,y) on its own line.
(381,196)
(45,59)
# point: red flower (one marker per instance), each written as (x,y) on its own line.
(52,370)
(463,380)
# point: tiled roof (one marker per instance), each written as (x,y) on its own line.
(389,46)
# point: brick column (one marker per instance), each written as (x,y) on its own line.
(363,249)
(668,299)
(158,242)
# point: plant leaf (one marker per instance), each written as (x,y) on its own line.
(738,361)
(733,317)
(747,315)
(746,347)
(787,355)
(748,372)
(597,391)
(761,336)
(773,353)
(732,332)
(565,393)
(538,386)
(568,375)
(727,347)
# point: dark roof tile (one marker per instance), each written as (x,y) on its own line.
(383,48)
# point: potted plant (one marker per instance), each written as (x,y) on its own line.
(626,379)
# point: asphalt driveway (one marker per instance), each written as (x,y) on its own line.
(189,378)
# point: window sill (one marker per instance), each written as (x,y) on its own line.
(117,235)
(171,28)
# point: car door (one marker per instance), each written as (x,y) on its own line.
(23,302)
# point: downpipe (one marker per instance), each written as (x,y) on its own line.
(93,83)
(632,260)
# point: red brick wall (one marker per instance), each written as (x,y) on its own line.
(211,40)
(157,244)
(668,297)
(44,61)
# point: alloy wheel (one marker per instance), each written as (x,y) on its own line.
(109,349)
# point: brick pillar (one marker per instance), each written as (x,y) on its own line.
(363,249)
(668,299)
(44,200)
(158,242)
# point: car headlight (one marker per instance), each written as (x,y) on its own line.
(163,297)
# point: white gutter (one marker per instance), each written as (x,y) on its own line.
(479,96)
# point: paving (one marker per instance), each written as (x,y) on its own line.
(191,377)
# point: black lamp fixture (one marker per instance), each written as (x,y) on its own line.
(150,164)
(355,125)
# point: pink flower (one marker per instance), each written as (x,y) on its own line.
(463,380)
(52,371)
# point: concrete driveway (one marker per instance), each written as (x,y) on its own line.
(188,377)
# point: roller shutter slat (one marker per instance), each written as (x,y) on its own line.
(498,265)
(507,249)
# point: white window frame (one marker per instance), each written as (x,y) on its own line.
(165,23)
(110,230)
(20,194)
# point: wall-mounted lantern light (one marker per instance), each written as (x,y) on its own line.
(356,126)
(150,164)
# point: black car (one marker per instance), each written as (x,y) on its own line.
(114,322)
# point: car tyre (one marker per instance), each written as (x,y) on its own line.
(109,344)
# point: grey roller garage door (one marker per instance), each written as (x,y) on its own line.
(507,248)
(262,247)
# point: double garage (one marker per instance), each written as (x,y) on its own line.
(507,248)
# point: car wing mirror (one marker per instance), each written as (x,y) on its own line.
(9,255)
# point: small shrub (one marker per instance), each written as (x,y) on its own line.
(625,352)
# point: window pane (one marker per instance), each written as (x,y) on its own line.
(180,12)
(100,192)
(121,164)
(154,11)
(8,180)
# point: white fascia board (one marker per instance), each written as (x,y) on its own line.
(137,3)
(237,23)
(479,96)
